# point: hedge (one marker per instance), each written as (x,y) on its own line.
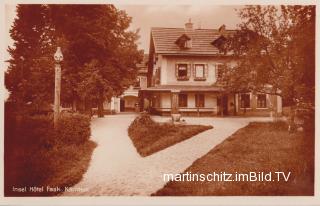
(36,153)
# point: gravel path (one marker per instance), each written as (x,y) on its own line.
(117,169)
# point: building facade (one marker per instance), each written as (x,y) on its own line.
(128,101)
(185,68)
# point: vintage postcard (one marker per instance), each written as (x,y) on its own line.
(158,103)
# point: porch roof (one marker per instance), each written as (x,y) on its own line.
(184,88)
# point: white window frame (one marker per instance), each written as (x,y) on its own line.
(203,70)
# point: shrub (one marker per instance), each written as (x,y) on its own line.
(36,153)
(149,136)
(73,128)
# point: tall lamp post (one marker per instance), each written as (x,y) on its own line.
(58,57)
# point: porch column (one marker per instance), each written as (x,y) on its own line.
(175,101)
(236,103)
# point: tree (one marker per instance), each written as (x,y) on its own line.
(98,49)
(30,73)
(275,50)
(98,41)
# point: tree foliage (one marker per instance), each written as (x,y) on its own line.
(275,50)
(100,54)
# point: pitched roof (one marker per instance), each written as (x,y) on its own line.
(164,40)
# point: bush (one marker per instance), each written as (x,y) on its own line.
(149,136)
(36,154)
(73,128)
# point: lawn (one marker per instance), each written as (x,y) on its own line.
(259,147)
(149,136)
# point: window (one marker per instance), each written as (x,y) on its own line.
(182,70)
(261,101)
(188,44)
(219,71)
(245,100)
(199,71)
(199,100)
(183,100)
(137,83)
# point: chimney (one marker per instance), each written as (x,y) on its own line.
(222,29)
(188,25)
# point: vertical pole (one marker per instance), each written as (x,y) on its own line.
(57,86)
(174,102)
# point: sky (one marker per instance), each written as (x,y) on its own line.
(146,16)
(203,16)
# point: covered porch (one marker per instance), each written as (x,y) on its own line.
(186,100)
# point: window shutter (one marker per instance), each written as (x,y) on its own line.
(206,70)
(177,67)
(189,70)
(193,70)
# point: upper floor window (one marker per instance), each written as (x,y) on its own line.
(199,70)
(182,71)
(261,101)
(219,71)
(245,100)
(183,100)
(199,98)
(143,82)
(137,83)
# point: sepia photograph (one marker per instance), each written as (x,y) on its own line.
(159,100)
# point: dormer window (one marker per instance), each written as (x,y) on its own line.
(184,42)
(220,43)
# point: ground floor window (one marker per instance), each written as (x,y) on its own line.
(199,100)
(261,101)
(245,100)
(183,100)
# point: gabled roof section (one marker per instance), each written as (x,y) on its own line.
(219,41)
(182,38)
(164,40)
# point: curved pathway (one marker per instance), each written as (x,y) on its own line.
(117,169)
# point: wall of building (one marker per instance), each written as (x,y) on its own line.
(210,103)
(274,104)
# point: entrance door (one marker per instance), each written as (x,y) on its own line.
(223,104)
(121,105)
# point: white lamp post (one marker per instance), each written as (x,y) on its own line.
(58,57)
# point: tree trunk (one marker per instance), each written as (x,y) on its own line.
(291,124)
(88,107)
(74,105)
(100,108)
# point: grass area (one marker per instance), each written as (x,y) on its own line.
(149,136)
(259,147)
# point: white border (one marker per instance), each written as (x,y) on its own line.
(251,200)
